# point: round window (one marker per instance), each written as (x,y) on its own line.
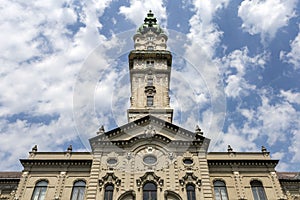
(188,161)
(150,159)
(112,161)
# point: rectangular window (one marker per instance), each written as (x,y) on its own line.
(149,100)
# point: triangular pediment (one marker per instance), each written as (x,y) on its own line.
(148,129)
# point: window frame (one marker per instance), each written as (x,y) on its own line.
(40,190)
(109,191)
(190,191)
(77,188)
(150,100)
(258,190)
(220,190)
(149,191)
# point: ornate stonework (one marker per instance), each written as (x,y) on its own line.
(150,156)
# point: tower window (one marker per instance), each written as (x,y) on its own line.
(150,38)
(150,81)
(220,190)
(150,63)
(150,48)
(258,190)
(150,100)
(190,190)
(149,191)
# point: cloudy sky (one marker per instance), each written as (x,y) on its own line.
(64,72)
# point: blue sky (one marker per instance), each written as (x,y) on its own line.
(235,72)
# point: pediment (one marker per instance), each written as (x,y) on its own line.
(145,130)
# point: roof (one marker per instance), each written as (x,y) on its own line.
(150,24)
(10,175)
(149,128)
(289,176)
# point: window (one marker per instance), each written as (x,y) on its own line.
(112,161)
(188,161)
(109,190)
(190,190)
(150,48)
(150,38)
(150,81)
(39,190)
(220,190)
(149,191)
(150,63)
(258,190)
(150,159)
(78,190)
(149,100)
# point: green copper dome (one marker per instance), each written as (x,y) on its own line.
(150,22)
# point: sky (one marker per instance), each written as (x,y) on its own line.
(235,73)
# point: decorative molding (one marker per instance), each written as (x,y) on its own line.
(149,177)
(190,177)
(110,177)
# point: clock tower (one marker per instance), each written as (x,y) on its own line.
(150,69)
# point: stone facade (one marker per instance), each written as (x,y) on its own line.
(149,157)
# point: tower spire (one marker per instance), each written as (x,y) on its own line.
(150,71)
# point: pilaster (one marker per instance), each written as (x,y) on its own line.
(93,181)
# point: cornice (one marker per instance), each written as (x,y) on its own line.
(242,162)
(55,162)
(154,54)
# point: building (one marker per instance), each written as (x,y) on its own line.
(150,157)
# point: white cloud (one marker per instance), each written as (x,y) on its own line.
(293,56)
(235,66)
(266,17)
(290,96)
(41,59)
(236,139)
(137,10)
(273,120)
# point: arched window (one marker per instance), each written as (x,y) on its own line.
(39,190)
(109,190)
(258,190)
(190,190)
(220,190)
(78,190)
(149,191)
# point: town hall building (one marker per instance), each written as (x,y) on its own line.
(149,158)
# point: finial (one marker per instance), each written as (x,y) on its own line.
(34,148)
(263,149)
(69,149)
(101,130)
(229,149)
(198,132)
